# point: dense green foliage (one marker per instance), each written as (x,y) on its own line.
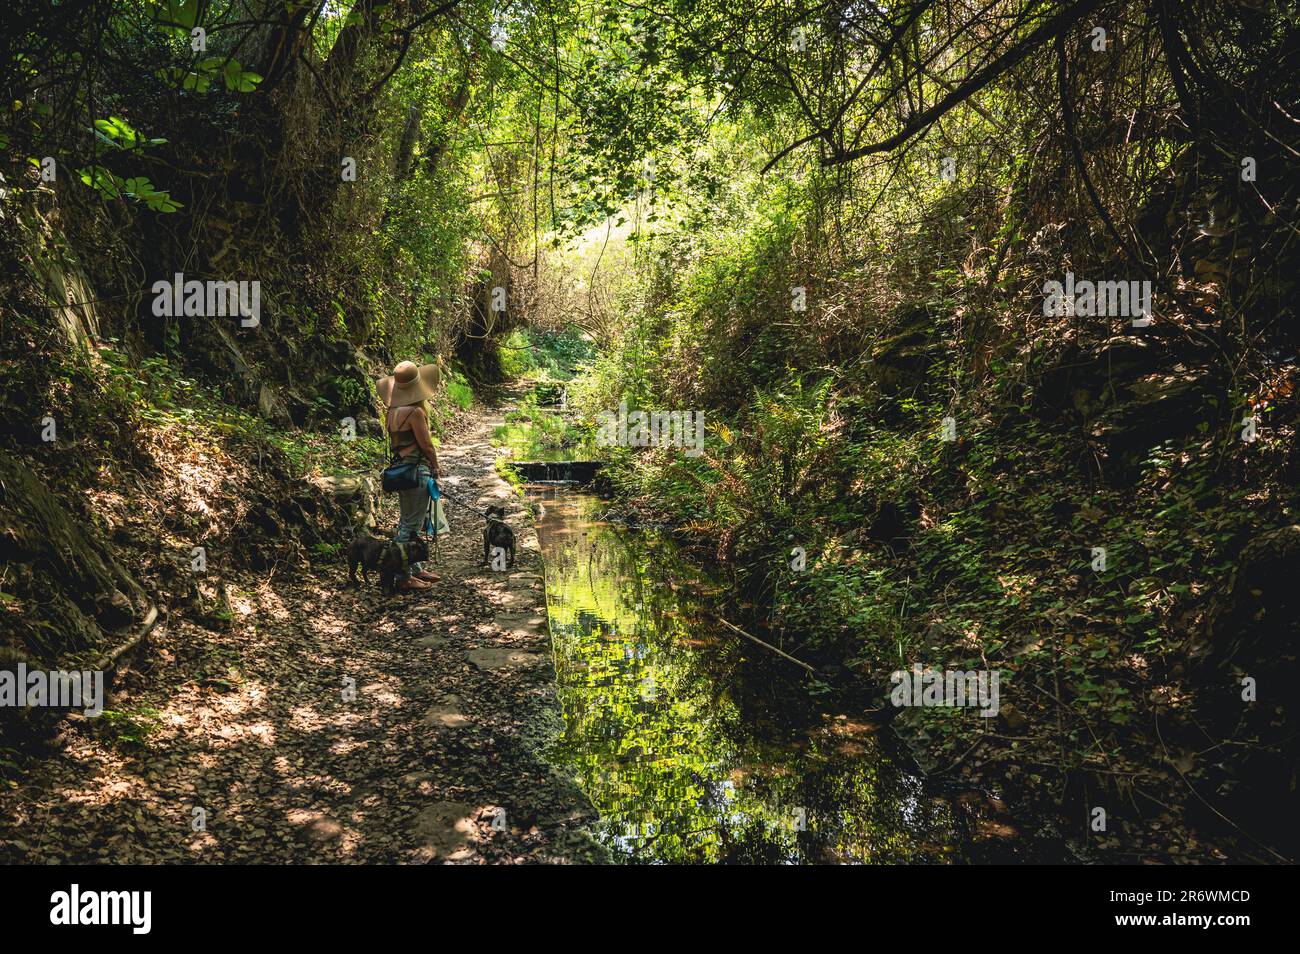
(924,301)
(827,226)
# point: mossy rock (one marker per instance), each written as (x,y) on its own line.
(64,593)
(901,361)
(1087,378)
(1147,412)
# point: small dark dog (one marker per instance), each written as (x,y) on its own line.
(497,533)
(390,558)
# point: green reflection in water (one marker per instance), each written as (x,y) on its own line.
(542,434)
(686,761)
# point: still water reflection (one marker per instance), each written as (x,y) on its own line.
(688,753)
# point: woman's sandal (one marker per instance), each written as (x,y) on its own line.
(412,583)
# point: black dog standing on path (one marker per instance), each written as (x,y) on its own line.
(389,557)
(497,533)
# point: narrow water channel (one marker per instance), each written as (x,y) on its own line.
(691,748)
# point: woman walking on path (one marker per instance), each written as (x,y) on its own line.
(406,394)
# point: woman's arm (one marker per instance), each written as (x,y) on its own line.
(420,428)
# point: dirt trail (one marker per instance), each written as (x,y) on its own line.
(438,757)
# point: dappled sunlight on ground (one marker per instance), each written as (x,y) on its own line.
(321,723)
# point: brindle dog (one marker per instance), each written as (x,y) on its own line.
(390,558)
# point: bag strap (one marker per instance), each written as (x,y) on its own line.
(392,449)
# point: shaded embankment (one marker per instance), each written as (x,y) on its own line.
(435,758)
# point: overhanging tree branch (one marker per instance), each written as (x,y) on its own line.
(973,84)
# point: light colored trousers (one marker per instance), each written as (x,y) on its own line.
(414,506)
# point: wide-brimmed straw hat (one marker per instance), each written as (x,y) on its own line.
(409,384)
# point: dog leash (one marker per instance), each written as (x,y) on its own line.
(431,516)
(481,513)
